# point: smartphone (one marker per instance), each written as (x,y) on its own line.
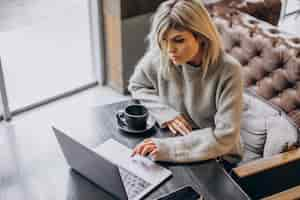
(184,193)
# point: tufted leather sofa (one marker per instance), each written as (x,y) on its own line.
(266,10)
(271,72)
(270,60)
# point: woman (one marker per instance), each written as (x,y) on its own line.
(195,87)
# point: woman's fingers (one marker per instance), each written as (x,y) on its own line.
(138,149)
(144,148)
(172,129)
(154,152)
(147,149)
(175,128)
(185,122)
(180,127)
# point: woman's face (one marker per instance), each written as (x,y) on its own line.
(181,46)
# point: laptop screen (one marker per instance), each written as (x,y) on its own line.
(91,165)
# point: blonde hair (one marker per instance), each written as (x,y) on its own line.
(188,15)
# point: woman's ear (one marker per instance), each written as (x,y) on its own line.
(199,39)
(203,44)
(196,36)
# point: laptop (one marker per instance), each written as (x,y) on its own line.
(111,167)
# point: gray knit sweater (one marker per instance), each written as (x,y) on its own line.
(212,105)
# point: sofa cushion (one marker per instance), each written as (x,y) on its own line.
(265,130)
(248,156)
(258,106)
(254,126)
(282,135)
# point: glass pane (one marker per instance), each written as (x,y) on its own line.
(45,48)
(3,97)
(292,6)
(1,106)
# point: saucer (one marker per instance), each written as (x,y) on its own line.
(150,125)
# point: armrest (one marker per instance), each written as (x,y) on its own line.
(264,164)
(293,193)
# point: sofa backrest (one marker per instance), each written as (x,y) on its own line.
(266,10)
(270,59)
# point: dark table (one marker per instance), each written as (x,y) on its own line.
(208,177)
(33,167)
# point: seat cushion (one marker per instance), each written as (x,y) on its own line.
(254,133)
(282,135)
(248,156)
(254,126)
(265,130)
(254,105)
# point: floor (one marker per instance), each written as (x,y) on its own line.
(40,120)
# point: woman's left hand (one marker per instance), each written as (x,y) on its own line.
(147,147)
(179,125)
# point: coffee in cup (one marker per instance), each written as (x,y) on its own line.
(134,117)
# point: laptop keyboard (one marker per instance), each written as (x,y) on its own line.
(133,184)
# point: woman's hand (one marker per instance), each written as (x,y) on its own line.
(179,125)
(147,147)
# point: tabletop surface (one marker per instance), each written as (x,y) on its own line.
(50,177)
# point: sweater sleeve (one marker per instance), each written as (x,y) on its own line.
(211,142)
(143,85)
